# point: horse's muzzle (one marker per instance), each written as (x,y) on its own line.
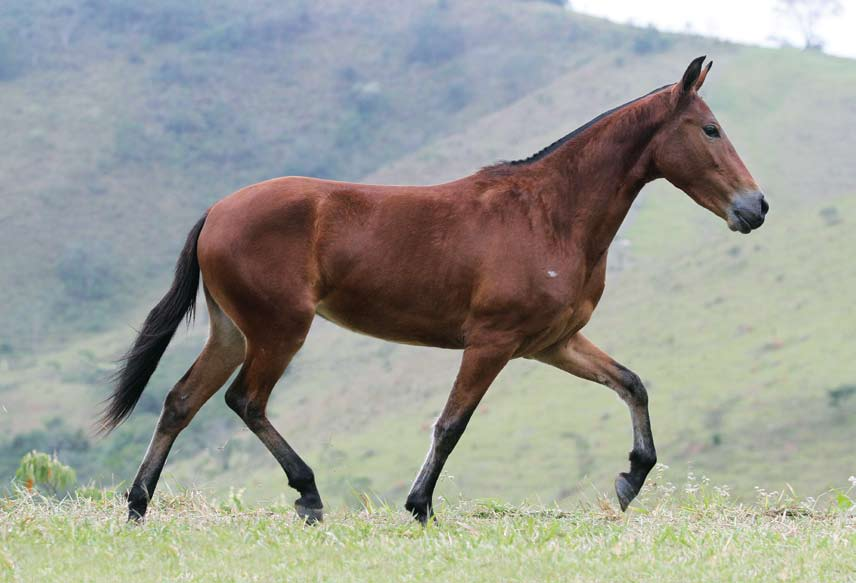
(747,212)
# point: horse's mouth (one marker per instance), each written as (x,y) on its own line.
(737,221)
(747,213)
(739,224)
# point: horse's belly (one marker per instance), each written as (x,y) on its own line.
(436,313)
(387,323)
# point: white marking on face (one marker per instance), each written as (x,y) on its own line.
(552,273)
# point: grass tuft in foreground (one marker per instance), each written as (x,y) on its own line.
(692,533)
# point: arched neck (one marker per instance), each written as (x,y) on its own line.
(596,176)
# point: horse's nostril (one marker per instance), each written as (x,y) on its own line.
(764,206)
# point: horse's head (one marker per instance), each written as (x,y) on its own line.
(692,152)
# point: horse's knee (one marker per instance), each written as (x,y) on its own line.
(236,394)
(247,408)
(236,401)
(239,402)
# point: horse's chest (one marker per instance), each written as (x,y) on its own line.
(565,308)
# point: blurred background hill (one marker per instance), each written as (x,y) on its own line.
(123,121)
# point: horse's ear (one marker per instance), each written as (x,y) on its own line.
(703,75)
(692,74)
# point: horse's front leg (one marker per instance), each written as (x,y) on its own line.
(479,366)
(578,356)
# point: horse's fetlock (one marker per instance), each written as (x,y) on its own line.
(305,482)
(642,460)
(417,504)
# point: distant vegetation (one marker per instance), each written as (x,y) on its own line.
(124,120)
(651,40)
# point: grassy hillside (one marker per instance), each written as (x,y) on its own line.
(677,538)
(744,342)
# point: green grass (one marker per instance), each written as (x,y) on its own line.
(690,533)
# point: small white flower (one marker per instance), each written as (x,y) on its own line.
(852,480)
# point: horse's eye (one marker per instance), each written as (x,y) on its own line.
(711,131)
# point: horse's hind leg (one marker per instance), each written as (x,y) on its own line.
(581,358)
(268,355)
(222,354)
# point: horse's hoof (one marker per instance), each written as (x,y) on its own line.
(309,515)
(424,517)
(421,512)
(137,512)
(625,491)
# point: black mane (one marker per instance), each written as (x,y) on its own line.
(555,145)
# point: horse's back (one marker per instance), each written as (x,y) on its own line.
(322,212)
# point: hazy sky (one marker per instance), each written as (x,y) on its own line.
(746,21)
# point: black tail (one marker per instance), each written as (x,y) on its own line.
(142,359)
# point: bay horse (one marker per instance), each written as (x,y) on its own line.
(506,263)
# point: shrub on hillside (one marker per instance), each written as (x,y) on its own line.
(161,20)
(458,96)
(38,470)
(254,33)
(650,40)
(133,143)
(10,62)
(178,73)
(830,216)
(86,274)
(435,41)
(839,395)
